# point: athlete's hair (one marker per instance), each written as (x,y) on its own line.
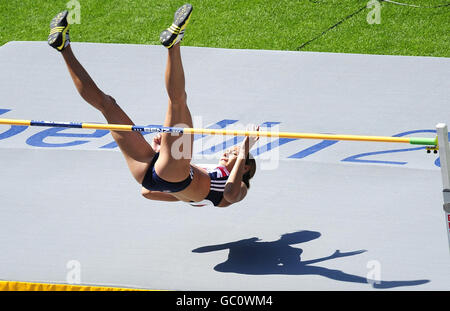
(251,172)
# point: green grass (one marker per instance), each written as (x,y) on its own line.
(244,24)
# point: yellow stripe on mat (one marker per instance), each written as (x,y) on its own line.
(29,286)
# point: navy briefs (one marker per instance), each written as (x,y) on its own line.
(153,182)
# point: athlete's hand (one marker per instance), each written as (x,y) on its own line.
(249,141)
(156,142)
(252,139)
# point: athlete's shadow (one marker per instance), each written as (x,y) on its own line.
(250,256)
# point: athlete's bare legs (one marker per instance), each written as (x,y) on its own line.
(176,150)
(137,152)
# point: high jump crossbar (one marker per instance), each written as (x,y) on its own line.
(440,142)
(163,129)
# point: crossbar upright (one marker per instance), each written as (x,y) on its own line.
(444,156)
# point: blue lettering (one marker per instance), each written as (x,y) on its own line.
(226,144)
(37,140)
(313,149)
(238,139)
(219,125)
(357,158)
(14,129)
(272,144)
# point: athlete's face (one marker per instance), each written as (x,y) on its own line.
(229,158)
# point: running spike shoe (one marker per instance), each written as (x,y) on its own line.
(59,31)
(175,33)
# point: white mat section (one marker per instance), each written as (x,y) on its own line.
(67,198)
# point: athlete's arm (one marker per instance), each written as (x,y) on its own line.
(235,190)
(158,196)
(233,193)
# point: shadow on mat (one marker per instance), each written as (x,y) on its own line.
(250,256)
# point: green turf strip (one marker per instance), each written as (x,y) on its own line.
(246,24)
